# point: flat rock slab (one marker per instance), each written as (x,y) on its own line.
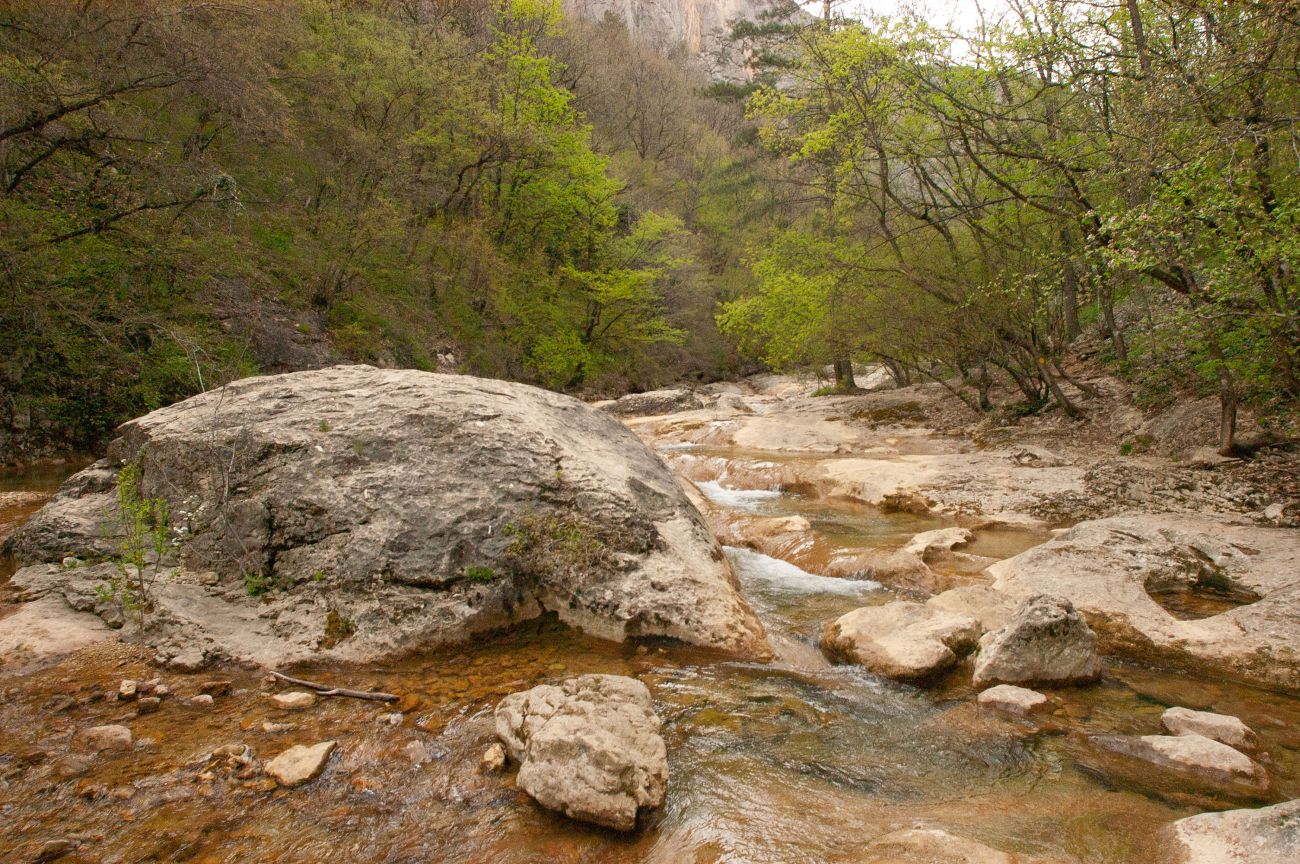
(295,700)
(1193,756)
(391,509)
(901,640)
(1268,835)
(589,748)
(299,764)
(1045,642)
(1014,700)
(1223,728)
(42,632)
(992,609)
(1109,568)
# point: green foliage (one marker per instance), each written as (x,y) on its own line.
(141,548)
(479,573)
(257,583)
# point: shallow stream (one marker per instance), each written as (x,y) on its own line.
(795,762)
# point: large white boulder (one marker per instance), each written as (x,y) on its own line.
(1269,835)
(901,640)
(1111,568)
(376,510)
(589,748)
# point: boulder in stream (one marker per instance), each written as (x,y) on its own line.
(1193,757)
(654,402)
(1045,642)
(355,513)
(901,640)
(1268,835)
(589,748)
(1223,728)
(1191,591)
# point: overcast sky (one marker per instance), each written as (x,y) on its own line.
(960,15)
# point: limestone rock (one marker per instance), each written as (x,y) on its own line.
(992,609)
(101,738)
(493,759)
(589,748)
(901,640)
(299,764)
(1223,728)
(1193,756)
(416,508)
(928,544)
(655,402)
(294,700)
(1269,835)
(1045,642)
(1114,570)
(930,846)
(1013,700)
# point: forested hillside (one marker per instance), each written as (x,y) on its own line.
(193,192)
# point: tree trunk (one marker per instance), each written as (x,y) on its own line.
(844,381)
(1070,300)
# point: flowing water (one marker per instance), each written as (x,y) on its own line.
(794,762)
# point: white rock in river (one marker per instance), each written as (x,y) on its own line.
(299,764)
(99,738)
(412,508)
(928,544)
(1193,756)
(294,700)
(1013,699)
(901,640)
(1109,568)
(589,748)
(1221,727)
(1045,642)
(1268,835)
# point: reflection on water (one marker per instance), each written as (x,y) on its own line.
(767,765)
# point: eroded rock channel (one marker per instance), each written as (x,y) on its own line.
(1124,717)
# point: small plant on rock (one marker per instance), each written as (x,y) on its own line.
(140,551)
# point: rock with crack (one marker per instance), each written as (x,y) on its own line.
(300,764)
(1122,572)
(901,640)
(389,509)
(1223,728)
(589,748)
(1045,642)
(1268,835)
(1193,757)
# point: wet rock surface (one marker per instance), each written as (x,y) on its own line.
(1219,727)
(1193,756)
(386,509)
(589,748)
(1269,835)
(901,640)
(1014,700)
(1118,571)
(300,764)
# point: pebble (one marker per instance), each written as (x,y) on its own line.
(99,738)
(493,759)
(299,764)
(53,849)
(128,690)
(394,719)
(148,704)
(268,726)
(215,688)
(203,699)
(295,700)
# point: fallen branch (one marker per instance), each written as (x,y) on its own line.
(327,690)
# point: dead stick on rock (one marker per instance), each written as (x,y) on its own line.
(327,690)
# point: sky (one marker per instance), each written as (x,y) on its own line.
(959,15)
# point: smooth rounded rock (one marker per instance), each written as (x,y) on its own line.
(105,738)
(299,764)
(1013,699)
(1223,728)
(294,700)
(901,640)
(1193,756)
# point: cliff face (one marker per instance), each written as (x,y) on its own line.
(697,24)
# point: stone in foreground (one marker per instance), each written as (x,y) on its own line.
(1269,835)
(930,846)
(901,640)
(589,748)
(294,700)
(1013,699)
(391,510)
(1193,756)
(299,764)
(1223,728)
(102,738)
(1045,642)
